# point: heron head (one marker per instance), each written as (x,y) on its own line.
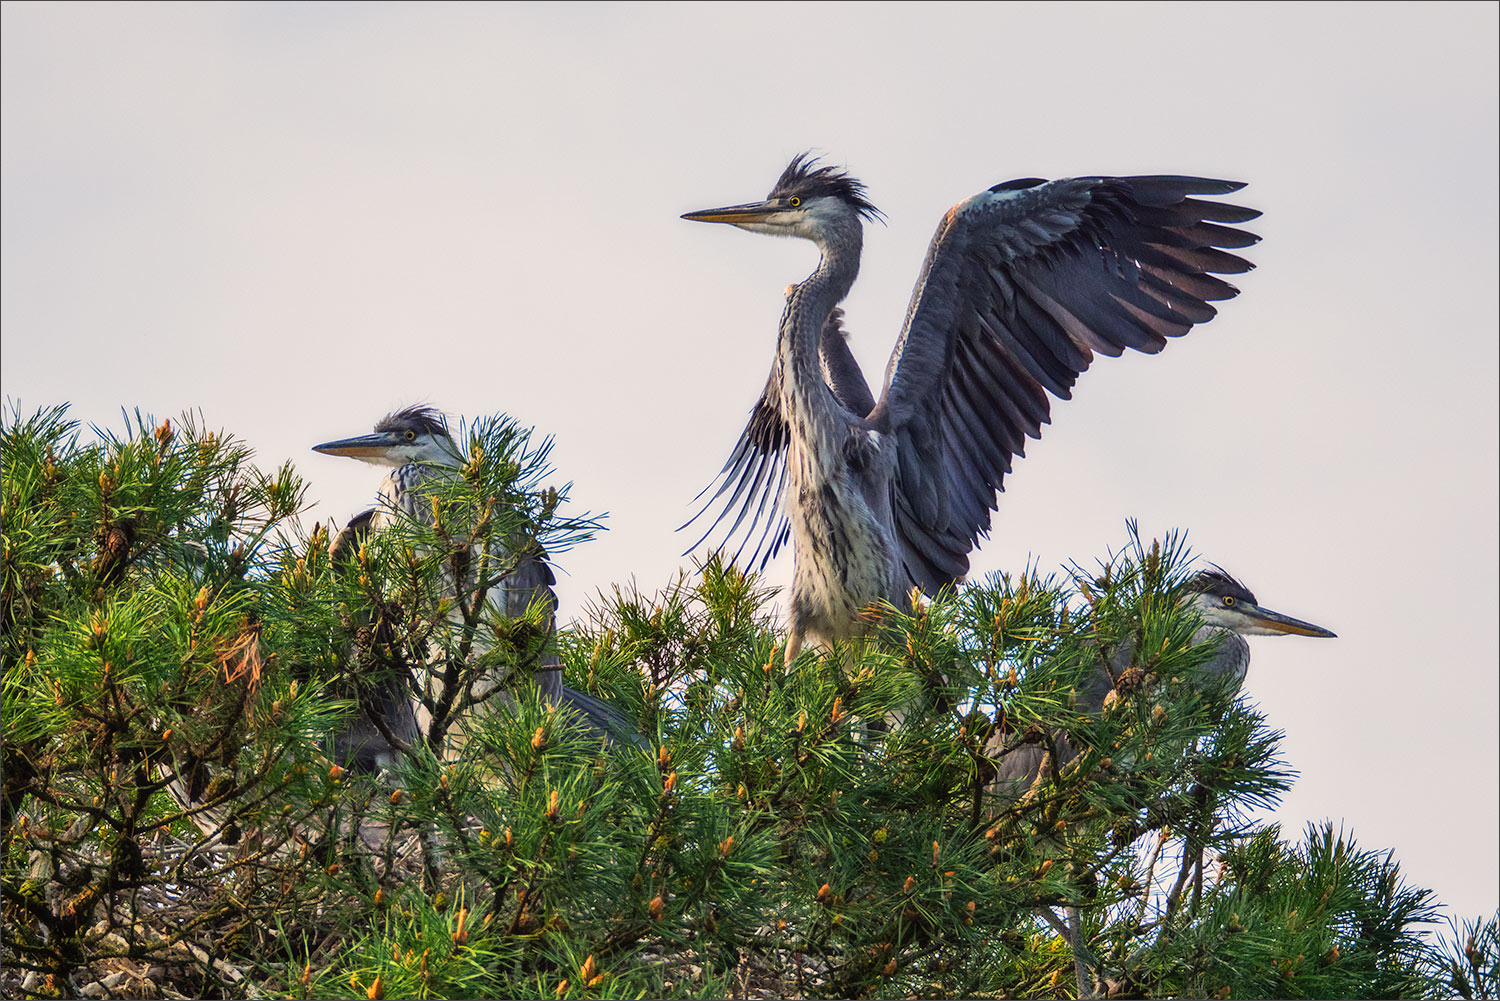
(1225,603)
(809,200)
(416,434)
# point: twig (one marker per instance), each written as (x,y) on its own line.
(1083,958)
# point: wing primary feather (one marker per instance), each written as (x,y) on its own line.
(969,490)
(916,481)
(1179,303)
(751,483)
(1178,312)
(1200,286)
(1005,335)
(1160,260)
(994,456)
(767,495)
(771,522)
(1210,235)
(769,461)
(1025,399)
(1092,309)
(1079,331)
(1205,259)
(1068,355)
(973,498)
(970,385)
(1219,211)
(962,440)
(1155,189)
(1162,329)
(729,475)
(781,539)
(739,480)
(944,556)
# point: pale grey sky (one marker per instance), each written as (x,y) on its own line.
(298,217)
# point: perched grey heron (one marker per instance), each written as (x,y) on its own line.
(1229,612)
(417,448)
(1022,284)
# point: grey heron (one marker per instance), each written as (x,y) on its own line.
(1229,612)
(1022,284)
(417,448)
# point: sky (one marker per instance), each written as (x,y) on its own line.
(295,218)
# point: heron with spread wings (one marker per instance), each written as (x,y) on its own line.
(1022,284)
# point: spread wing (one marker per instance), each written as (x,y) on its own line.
(1022,284)
(751,482)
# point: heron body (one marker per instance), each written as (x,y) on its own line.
(1022,284)
(416,446)
(1229,612)
(406,495)
(846,554)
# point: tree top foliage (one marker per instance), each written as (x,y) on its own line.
(178,653)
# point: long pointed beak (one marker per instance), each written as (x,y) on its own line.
(1275,622)
(748,212)
(365,446)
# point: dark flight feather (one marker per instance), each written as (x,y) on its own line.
(1021,286)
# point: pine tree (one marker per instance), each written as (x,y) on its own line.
(176,657)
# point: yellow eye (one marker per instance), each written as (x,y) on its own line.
(794,201)
(411,436)
(1228,600)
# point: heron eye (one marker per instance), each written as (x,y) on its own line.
(1228,600)
(794,201)
(411,436)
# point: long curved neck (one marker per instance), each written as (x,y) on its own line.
(807,310)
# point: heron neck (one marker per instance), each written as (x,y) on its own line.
(1232,658)
(808,307)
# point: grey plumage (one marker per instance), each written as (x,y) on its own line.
(417,418)
(1022,284)
(361,745)
(1229,612)
(601,718)
(416,444)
